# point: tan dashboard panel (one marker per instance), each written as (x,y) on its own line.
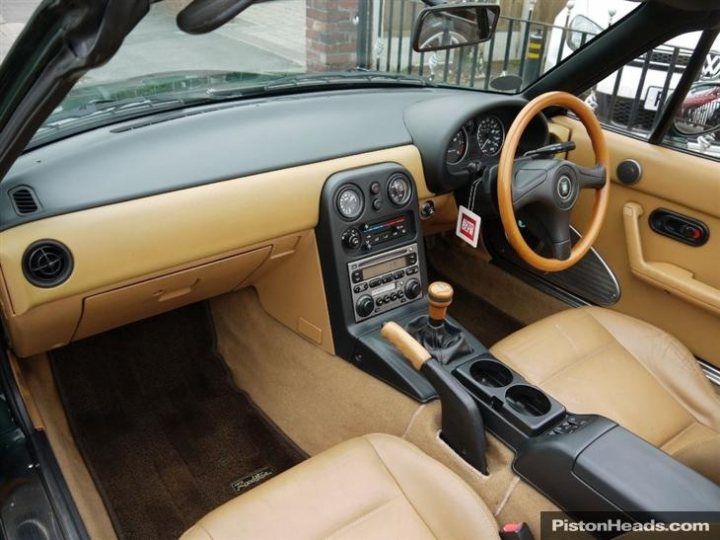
(702,194)
(147,298)
(124,241)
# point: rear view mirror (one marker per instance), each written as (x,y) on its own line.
(449,26)
(699,114)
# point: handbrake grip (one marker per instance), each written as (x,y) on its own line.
(462,427)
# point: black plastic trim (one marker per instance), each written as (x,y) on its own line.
(66,513)
(462,423)
(107,166)
(60,278)
(665,222)
(433,124)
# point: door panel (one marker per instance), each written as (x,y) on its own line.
(671,180)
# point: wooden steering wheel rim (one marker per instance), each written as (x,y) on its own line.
(505,176)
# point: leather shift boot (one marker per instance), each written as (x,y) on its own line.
(446,342)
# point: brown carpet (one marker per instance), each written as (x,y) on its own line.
(159,425)
(482,319)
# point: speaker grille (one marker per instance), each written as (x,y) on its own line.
(47,263)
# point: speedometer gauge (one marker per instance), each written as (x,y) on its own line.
(350,202)
(457,148)
(490,135)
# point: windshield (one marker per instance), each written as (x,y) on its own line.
(289,45)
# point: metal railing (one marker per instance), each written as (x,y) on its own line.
(523,48)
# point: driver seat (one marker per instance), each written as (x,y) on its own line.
(597,361)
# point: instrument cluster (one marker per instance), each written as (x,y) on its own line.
(480,137)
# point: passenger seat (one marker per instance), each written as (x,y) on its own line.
(375,486)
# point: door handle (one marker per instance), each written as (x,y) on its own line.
(667,276)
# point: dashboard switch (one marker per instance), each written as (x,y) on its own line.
(352,238)
(413,289)
(365,306)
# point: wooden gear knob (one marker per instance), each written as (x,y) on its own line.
(440,296)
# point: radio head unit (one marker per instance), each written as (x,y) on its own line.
(382,282)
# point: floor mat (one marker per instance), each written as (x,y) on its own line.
(165,435)
(486,322)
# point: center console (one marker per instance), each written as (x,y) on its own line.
(373,262)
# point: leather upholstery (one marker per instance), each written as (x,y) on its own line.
(375,486)
(595,360)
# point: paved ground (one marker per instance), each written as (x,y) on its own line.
(266,37)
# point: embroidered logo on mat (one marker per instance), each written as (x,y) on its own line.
(246,482)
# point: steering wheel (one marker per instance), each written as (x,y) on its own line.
(550,187)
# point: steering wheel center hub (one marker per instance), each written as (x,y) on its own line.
(566,188)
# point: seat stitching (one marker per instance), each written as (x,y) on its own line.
(681,432)
(591,353)
(667,343)
(585,356)
(203,529)
(397,483)
(411,422)
(362,518)
(678,434)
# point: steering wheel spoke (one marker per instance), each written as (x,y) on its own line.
(530,181)
(558,229)
(591,178)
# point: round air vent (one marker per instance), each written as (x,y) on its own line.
(47,263)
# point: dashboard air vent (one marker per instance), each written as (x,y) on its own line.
(24,201)
(47,263)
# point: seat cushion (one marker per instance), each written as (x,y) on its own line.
(375,486)
(594,360)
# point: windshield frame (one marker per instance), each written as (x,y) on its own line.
(91,114)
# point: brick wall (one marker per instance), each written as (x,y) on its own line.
(331,34)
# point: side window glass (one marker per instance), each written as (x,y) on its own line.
(696,126)
(630,99)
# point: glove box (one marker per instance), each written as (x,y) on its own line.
(120,306)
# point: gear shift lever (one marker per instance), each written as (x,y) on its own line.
(445,341)
(440,296)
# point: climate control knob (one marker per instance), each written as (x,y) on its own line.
(412,289)
(352,238)
(365,305)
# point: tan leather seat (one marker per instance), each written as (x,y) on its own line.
(594,360)
(376,486)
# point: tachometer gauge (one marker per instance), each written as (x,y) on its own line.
(457,148)
(350,202)
(490,135)
(399,189)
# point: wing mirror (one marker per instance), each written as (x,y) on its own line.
(455,25)
(699,114)
(582,30)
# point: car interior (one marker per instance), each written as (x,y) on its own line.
(343,313)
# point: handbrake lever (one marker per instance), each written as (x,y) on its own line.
(462,424)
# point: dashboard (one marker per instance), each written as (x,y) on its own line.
(227,207)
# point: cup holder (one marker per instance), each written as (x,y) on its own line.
(492,374)
(528,400)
